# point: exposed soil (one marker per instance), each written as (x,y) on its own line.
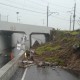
(66,52)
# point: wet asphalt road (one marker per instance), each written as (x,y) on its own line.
(18,74)
(35,73)
(5,57)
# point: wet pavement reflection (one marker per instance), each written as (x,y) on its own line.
(47,73)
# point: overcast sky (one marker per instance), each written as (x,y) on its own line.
(34,12)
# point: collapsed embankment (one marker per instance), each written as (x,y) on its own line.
(64,48)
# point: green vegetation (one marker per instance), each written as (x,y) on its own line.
(55,59)
(69,39)
(74,33)
(64,49)
(48,47)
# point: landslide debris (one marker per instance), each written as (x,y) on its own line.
(64,48)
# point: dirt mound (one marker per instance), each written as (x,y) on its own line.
(36,44)
(61,49)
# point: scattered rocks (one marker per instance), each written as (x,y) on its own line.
(54,64)
(76,46)
(41,64)
(53,68)
(25,63)
(47,63)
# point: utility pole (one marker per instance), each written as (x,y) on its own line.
(0,17)
(43,22)
(74,15)
(70,21)
(19,20)
(7,18)
(47,14)
(17,16)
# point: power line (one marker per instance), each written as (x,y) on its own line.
(30,1)
(29,10)
(39,9)
(60,12)
(74,16)
(24,9)
(52,4)
(42,5)
(21,8)
(25,5)
(60,18)
(37,3)
(60,6)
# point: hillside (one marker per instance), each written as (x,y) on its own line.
(64,48)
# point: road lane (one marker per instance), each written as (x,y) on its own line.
(34,73)
(18,74)
(24,74)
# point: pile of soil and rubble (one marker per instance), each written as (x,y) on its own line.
(63,48)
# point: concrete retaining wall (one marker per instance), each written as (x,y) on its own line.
(9,69)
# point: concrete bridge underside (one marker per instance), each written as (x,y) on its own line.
(11,33)
(6,45)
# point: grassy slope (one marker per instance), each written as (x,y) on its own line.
(60,49)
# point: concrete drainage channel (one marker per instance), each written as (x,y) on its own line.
(10,68)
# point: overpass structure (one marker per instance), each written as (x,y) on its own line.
(13,33)
(26,35)
(19,37)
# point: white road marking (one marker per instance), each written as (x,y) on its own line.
(24,74)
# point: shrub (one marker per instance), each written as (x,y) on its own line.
(48,47)
(74,33)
